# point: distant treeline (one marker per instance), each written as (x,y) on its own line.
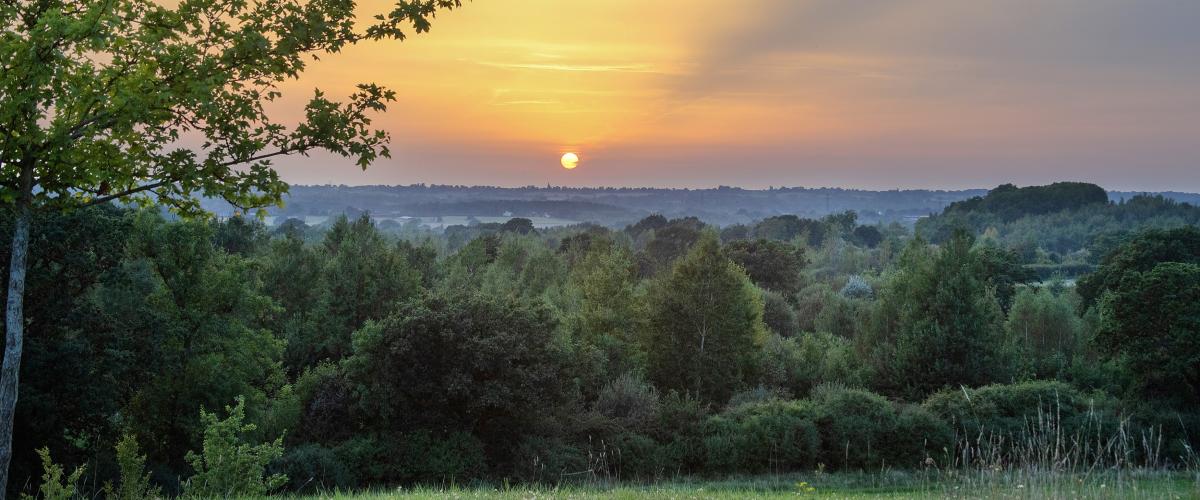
(618,207)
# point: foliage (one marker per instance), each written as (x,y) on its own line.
(778,314)
(398,357)
(799,364)
(762,437)
(1013,411)
(1049,333)
(857,288)
(1152,321)
(135,481)
(1009,202)
(1139,255)
(631,402)
(948,327)
(227,465)
(772,265)
(480,364)
(705,321)
(53,486)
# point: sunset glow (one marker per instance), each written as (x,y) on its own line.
(783,92)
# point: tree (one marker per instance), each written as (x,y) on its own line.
(945,323)
(136,99)
(1152,320)
(458,361)
(1140,255)
(1044,323)
(668,243)
(772,265)
(705,323)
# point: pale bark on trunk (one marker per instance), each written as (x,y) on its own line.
(14,319)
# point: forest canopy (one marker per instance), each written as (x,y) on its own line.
(351,354)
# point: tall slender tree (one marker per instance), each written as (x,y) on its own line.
(136,100)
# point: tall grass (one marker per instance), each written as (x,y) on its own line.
(1048,459)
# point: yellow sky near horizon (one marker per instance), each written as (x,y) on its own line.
(771,92)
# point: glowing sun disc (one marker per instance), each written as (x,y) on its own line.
(570,161)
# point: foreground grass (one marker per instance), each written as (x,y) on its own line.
(885,485)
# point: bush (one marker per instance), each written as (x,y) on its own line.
(426,458)
(857,426)
(548,460)
(227,466)
(774,436)
(919,435)
(135,481)
(799,364)
(857,288)
(778,315)
(53,487)
(1008,410)
(419,457)
(629,455)
(314,467)
(681,431)
(630,402)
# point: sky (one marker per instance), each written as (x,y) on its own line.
(754,93)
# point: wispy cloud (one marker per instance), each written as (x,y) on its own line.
(586,68)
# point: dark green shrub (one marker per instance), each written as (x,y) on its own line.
(630,455)
(549,460)
(371,458)
(773,436)
(778,315)
(919,435)
(857,426)
(312,467)
(1009,410)
(630,402)
(426,458)
(419,457)
(681,431)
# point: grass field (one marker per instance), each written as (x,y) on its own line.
(887,485)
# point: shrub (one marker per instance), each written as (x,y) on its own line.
(919,435)
(419,457)
(774,436)
(315,467)
(631,456)
(548,460)
(799,364)
(681,429)
(630,402)
(857,426)
(227,466)
(778,315)
(1008,410)
(135,481)
(857,288)
(53,487)
(426,458)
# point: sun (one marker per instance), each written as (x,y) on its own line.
(570,161)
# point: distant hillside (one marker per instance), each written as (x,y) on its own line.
(622,206)
(1061,229)
(610,206)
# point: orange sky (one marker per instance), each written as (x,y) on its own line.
(858,93)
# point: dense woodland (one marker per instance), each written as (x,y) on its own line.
(351,355)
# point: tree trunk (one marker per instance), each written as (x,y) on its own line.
(14,319)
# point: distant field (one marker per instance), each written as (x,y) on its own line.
(881,486)
(434,222)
